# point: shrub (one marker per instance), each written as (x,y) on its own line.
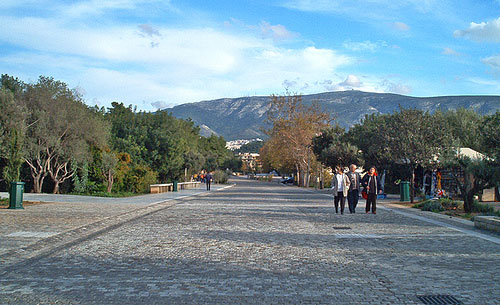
(431,205)
(449,204)
(220,177)
(482,208)
(138,179)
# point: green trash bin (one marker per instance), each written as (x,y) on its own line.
(16,195)
(405,190)
(175,185)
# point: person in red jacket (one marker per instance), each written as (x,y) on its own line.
(371,182)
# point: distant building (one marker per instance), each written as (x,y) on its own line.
(251,161)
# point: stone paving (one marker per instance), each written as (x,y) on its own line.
(257,243)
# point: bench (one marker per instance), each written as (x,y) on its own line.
(169,187)
(188,185)
(161,188)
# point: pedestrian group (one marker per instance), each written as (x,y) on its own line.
(349,186)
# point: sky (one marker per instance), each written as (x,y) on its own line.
(156,54)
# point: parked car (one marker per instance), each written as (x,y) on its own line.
(287,180)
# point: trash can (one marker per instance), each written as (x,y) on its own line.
(16,195)
(175,185)
(405,190)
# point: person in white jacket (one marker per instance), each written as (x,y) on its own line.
(340,187)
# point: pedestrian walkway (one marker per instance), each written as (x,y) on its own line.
(56,214)
(256,243)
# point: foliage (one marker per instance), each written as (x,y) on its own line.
(482,208)
(464,126)
(370,138)
(430,205)
(138,179)
(61,128)
(12,133)
(332,148)
(220,177)
(80,178)
(294,125)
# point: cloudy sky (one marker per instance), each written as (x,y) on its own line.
(156,54)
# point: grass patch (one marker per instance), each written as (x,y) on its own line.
(4,201)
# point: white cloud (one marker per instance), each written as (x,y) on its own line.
(364,45)
(484,31)
(401,26)
(352,81)
(395,87)
(450,51)
(114,62)
(276,32)
(492,61)
(376,9)
(161,105)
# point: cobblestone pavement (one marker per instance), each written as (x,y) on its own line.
(258,243)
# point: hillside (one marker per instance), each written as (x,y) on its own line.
(243,118)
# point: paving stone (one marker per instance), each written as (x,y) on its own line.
(258,243)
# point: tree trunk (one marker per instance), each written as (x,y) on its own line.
(298,176)
(110,180)
(469,193)
(412,184)
(37,183)
(56,187)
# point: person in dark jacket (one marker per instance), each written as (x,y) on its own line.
(208,180)
(353,194)
(371,182)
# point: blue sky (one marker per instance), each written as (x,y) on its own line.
(156,54)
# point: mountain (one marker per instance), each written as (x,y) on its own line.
(244,117)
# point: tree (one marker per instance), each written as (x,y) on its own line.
(414,137)
(294,125)
(464,125)
(12,132)
(478,174)
(369,137)
(61,129)
(332,148)
(108,167)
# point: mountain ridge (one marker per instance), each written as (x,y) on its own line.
(244,117)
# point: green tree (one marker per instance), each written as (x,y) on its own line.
(464,126)
(369,137)
(414,137)
(332,148)
(12,133)
(61,129)
(477,175)
(108,168)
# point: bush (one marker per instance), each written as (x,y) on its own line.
(482,208)
(138,179)
(220,177)
(449,204)
(430,205)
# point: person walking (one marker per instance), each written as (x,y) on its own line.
(340,187)
(208,180)
(371,182)
(353,194)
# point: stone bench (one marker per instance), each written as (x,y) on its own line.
(188,185)
(169,187)
(490,223)
(161,188)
